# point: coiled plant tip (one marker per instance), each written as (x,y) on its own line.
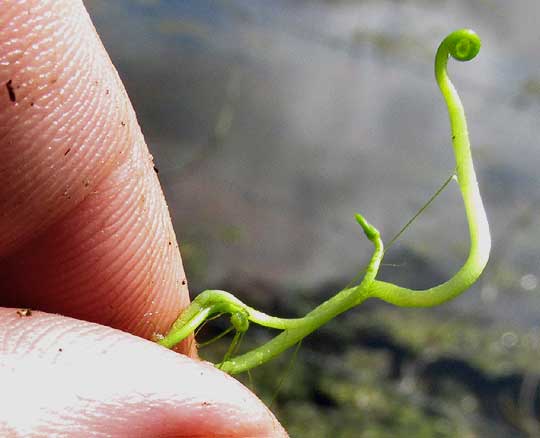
(462,45)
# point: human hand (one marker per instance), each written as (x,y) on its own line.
(85,232)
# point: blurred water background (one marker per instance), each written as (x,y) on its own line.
(273,122)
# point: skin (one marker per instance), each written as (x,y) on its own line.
(85,233)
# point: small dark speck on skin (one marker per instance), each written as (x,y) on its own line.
(24,312)
(53,81)
(67,151)
(107,91)
(183,282)
(60,350)
(123,123)
(31,103)
(11,91)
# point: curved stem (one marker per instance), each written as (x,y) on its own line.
(211,302)
(463,45)
(343,301)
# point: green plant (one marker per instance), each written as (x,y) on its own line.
(462,45)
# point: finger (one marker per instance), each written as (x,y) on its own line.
(84,229)
(102,382)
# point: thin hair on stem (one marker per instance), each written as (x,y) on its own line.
(422,209)
(358,277)
(286,373)
(196,332)
(216,338)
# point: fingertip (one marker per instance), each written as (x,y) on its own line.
(60,373)
(84,228)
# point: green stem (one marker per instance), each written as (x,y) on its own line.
(217,301)
(339,303)
(463,45)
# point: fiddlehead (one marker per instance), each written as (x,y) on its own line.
(463,45)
